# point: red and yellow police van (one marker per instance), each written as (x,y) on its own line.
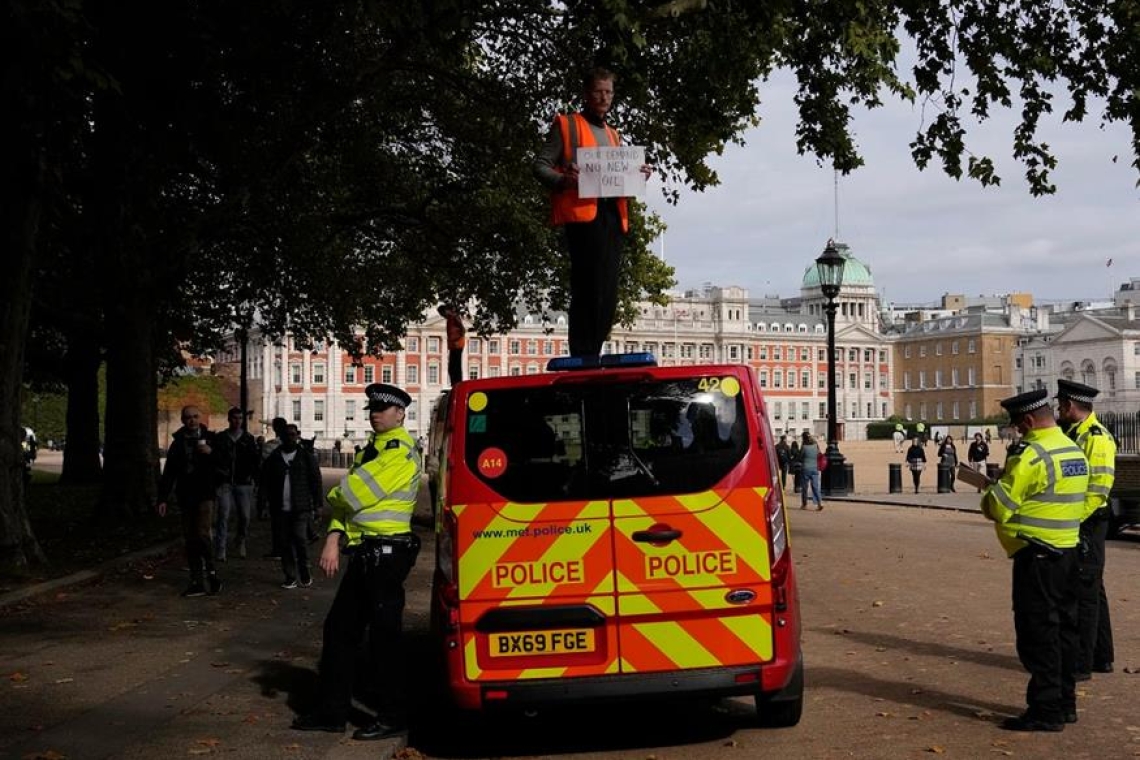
(614,532)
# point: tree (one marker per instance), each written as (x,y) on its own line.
(333,165)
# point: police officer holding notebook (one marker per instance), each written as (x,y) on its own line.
(1036,508)
(372,522)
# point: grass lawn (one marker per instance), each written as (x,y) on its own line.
(61,521)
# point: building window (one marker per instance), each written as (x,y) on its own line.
(318,411)
(805,354)
(547,347)
(777,378)
(532,348)
(413,373)
(852,354)
(349,411)
(493,346)
(1017,362)
(971,377)
(1039,361)
(908,412)
(791,378)
(532,369)
(937,378)
(868,355)
(870,409)
(492,372)
(921,351)
(296,410)
(821,355)
(938,348)
(778,410)
(867,383)
(954,410)
(319,373)
(823,410)
(805,410)
(906,381)
(386,373)
(922,379)
(954,377)
(350,375)
(764,352)
(734,353)
(852,381)
(938,411)
(433,344)
(971,346)
(882,381)
(474,346)
(369,373)
(472,371)
(433,373)
(922,410)
(763,377)
(514,347)
(821,380)
(973,410)
(706,350)
(516,370)
(777,353)
(882,354)
(906,351)
(954,348)
(295,374)
(413,345)
(805,379)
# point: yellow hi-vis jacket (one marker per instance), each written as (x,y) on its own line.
(1100,450)
(377,495)
(1041,495)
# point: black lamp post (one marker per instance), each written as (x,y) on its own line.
(829,266)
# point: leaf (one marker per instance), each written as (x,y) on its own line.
(17,676)
(876,604)
(936,749)
(64,680)
(211,742)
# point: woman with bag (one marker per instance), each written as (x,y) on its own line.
(797,465)
(809,472)
(916,461)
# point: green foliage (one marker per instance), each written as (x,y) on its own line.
(203,391)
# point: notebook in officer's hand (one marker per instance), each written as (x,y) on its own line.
(968,474)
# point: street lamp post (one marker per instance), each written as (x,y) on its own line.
(829,266)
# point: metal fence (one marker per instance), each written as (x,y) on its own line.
(1125,428)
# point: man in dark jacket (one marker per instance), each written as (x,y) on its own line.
(189,477)
(236,460)
(291,482)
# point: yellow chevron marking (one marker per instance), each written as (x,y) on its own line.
(604,604)
(568,548)
(695,502)
(754,631)
(677,644)
(626,667)
(542,673)
(471,660)
(740,536)
(636,604)
(458,509)
(615,666)
(625,585)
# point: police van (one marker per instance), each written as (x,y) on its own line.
(614,531)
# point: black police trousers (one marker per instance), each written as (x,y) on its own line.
(1092,609)
(595,264)
(1045,620)
(370,599)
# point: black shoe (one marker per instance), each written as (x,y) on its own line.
(1070,716)
(1102,667)
(1082,677)
(1028,722)
(318,723)
(214,583)
(381,728)
(194,589)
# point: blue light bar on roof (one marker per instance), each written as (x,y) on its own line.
(573,363)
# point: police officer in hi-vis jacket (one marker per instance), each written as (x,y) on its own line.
(1036,507)
(1075,413)
(372,523)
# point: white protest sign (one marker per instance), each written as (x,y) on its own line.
(611,172)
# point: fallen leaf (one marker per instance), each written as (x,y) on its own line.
(220,664)
(882,715)
(148,577)
(17,676)
(210,742)
(292,747)
(730,743)
(876,604)
(936,749)
(65,680)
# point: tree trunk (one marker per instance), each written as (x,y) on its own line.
(81,456)
(24,182)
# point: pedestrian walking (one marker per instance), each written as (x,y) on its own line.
(899,436)
(916,461)
(809,472)
(977,454)
(797,466)
(1036,508)
(595,228)
(278,426)
(1075,412)
(291,482)
(236,462)
(371,520)
(783,459)
(189,478)
(948,457)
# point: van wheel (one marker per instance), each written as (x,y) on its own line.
(784,708)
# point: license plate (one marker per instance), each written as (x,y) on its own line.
(532,643)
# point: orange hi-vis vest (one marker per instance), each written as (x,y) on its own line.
(566,206)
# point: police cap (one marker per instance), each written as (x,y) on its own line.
(1067,389)
(1024,403)
(382,395)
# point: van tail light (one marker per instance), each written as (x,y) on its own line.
(778,548)
(449,595)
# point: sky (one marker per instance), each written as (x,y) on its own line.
(922,233)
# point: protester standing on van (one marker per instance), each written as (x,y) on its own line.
(372,518)
(595,227)
(809,471)
(456,342)
(1074,410)
(1036,508)
(916,461)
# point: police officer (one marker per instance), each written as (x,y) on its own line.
(1074,412)
(371,520)
(1036,507)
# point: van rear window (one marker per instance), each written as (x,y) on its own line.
(607,440)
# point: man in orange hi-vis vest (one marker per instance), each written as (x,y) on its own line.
(595,227)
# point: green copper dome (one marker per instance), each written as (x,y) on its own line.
(855,272)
